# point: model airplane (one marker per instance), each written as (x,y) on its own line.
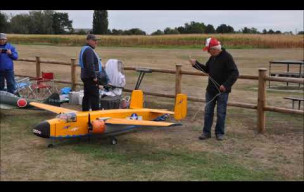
(70,123)
(11,101)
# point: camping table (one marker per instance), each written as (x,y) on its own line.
(293,99)
(300,74)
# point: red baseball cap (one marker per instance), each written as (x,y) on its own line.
(211,42)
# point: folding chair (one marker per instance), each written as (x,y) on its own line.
(23,87)
(44,85)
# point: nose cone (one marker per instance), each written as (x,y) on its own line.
(42,129)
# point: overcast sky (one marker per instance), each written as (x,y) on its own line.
(150,21)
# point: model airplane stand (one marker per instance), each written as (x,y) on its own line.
(142,72)
(114,102)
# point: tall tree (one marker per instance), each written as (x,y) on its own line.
(61,23)
(41,22)
(223,28)
(195,27)
(21,24)
(4,24)
(246,30)
(100,22)
(168,30)
(158,32)
(209,29)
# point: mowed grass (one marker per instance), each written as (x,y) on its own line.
(239,41)
(172,154)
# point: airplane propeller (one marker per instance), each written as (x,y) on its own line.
(90,127)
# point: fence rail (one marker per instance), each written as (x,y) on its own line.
(261,106)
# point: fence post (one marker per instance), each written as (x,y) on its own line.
(261,100)
(73,74)
(178,79)
(38,70)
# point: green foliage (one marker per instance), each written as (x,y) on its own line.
(168,30)
(40,22)
(250,30)
(133,31)
(158,32)
(4,24)
(21,24)
(272,32)
(223,28)
(61,22)
(195,27)
(100,22)
(209,29)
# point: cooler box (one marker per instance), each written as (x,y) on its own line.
(76,97)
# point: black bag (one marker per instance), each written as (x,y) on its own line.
(102,77)
(109,102)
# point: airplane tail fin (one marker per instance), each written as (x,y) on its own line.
(54,99)
(137,99)
(180,108)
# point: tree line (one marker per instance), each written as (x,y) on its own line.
(37,22)
(200,28)
(51,22)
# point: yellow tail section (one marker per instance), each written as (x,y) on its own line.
(137,99)
(180,109)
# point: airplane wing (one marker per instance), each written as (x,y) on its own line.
(51,108)
(141,123)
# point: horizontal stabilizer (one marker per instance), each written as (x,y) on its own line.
(161,111)
(143,123)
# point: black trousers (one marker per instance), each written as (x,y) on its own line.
(91,95)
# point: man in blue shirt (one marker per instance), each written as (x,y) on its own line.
(8,53)
(90,66)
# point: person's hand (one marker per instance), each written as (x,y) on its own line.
(9,52)
(192,61)
(95,79)
(100,87)
(222,88)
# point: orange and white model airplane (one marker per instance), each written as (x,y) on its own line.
(70,123)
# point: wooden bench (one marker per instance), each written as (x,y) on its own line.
(294,99)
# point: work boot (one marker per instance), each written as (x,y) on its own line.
(204,137)
(219,137)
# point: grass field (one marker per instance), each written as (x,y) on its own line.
(172,154)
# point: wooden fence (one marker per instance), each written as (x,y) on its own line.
(261,106)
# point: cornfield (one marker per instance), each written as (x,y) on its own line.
(168,41)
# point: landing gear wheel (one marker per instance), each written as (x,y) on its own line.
(50,146)
(113,141)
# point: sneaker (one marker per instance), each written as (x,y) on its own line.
(220,137)
(203,137)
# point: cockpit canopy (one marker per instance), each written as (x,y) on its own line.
(67,117)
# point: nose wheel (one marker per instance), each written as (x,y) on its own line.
(113,141)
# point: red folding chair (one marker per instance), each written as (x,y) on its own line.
(44,85)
